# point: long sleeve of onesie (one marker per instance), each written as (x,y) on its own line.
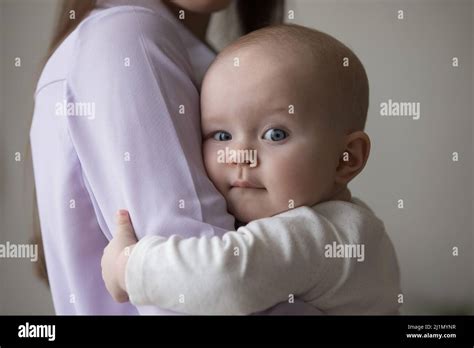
(336,256)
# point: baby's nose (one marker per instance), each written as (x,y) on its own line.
(244,157)
(240,160)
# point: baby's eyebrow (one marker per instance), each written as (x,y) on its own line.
(213,121)
(278,113)
(281,111)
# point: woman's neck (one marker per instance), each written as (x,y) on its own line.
(197,23)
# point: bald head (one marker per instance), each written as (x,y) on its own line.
(339,81)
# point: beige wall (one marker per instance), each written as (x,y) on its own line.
(410,60)
(406,60)
(25,27)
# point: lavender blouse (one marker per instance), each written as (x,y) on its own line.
(116,125)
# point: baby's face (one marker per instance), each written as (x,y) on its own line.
(265,147)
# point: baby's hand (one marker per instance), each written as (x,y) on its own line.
(114,259)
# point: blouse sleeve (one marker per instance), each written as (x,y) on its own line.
(138,136)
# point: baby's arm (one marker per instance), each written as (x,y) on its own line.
(242,272)
(256,267)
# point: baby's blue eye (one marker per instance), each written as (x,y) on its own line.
(222,136)
(275,134)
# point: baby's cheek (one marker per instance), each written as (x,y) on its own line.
(214,169)
(209,153)
(284,185)
(298,181)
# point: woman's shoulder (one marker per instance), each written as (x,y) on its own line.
(132,37)
(117,33)
(116,26)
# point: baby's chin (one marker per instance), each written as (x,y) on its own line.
(245,217)
(246,213)
(250,205)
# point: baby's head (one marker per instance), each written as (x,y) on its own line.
(283,113)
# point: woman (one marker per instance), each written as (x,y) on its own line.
(116,124)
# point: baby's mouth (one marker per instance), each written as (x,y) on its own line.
(246,184)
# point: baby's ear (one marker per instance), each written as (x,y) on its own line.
(353,158)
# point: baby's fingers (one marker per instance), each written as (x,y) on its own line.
(124,226)
(122,217)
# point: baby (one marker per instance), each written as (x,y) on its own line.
(283,114)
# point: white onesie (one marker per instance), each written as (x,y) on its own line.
(335,256)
